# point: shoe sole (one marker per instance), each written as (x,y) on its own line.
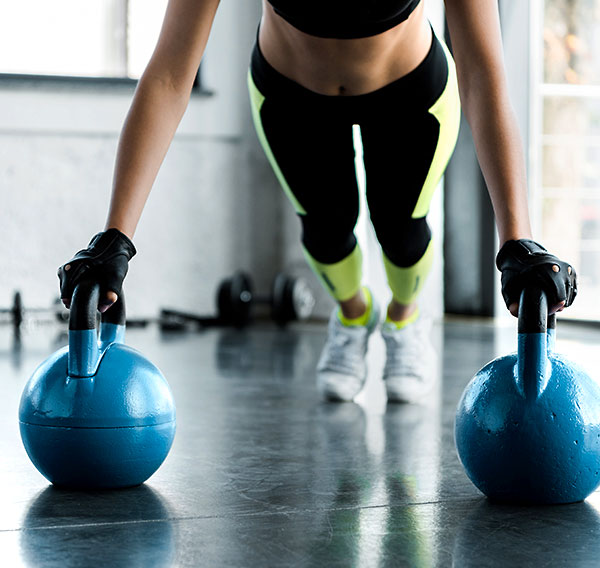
(335,396)
(407,395)
(331,394)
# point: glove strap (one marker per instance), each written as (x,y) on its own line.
(103,241)
(518,248)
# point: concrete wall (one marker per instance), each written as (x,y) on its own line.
(206,214)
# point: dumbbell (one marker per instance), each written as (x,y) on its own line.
(17,311)
(290,299)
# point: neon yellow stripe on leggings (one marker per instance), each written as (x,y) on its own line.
(257,99)
(407,283)
(341,279)
(447,112)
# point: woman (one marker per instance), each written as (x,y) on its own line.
(318,68)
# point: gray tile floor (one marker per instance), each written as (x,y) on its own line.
(264,474)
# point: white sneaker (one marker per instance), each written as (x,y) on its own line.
(410,367)
(342,367)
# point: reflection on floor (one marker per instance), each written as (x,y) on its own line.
(264,474)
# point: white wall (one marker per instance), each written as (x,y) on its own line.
(203,219)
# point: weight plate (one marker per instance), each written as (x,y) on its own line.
(282,299)
(303,299)
(224,309)
(240,298)
(278,299)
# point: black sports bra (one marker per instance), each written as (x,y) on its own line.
(344,19)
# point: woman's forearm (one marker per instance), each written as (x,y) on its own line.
(150,125)
(501,157)
(477,43)
(158,105)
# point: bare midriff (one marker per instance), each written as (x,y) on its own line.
(344,66)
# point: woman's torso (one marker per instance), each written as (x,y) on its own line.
(344,66)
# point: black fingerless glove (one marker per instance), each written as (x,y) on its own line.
(104,261)
(525,262)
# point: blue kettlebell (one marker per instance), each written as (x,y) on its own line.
(528,424)
(97,414)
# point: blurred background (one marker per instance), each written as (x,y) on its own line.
(67,74)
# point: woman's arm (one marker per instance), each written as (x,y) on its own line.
(477,48)
(160,100)
(159,103)
(477,44)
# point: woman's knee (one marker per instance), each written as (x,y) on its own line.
(329,239)
(404,241)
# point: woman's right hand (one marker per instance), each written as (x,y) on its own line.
(105,261)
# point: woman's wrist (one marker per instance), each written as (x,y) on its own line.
(512,227)
(124,225)
(513,235)
(128,233)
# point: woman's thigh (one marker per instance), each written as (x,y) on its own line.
(309,142)
(408,139)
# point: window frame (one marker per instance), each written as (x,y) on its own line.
(117,82)
(127,83)
(539,90)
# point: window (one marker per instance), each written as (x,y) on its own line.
(566,138)
(110,39)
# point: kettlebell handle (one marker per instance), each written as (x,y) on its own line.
(533,305)
(84,348)
(535,340)
(84,307)
(533,311)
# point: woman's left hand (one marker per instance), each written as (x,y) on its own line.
(524,262)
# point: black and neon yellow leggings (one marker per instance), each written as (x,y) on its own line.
(408,130)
